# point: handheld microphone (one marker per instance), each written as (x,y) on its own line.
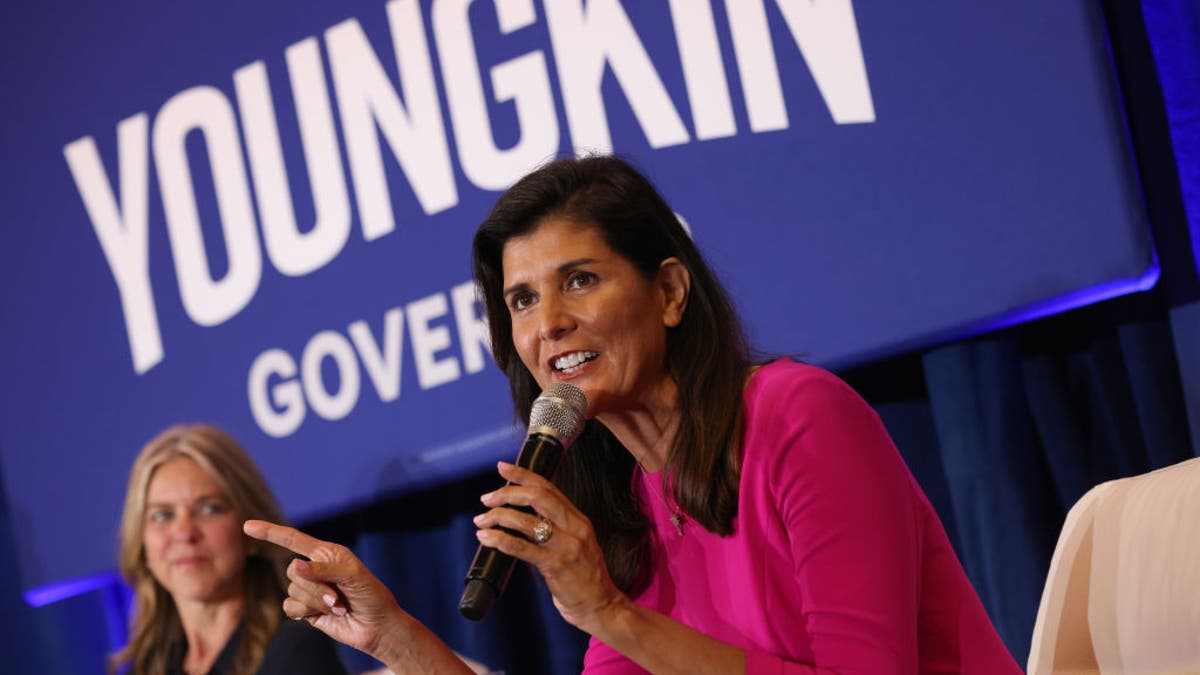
(554,423)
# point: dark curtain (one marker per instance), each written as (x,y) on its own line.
(1025,430)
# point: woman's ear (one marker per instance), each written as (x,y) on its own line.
(674,282)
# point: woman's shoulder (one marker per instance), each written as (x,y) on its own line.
(793,382)
(800,408)
(297,647)
(803,423)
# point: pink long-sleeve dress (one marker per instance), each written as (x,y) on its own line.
(837,562)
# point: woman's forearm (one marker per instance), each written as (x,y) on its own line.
(409,648)
(661,644)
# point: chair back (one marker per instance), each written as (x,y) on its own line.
(1123,591)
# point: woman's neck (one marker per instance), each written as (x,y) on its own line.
(647,431)
(207,626)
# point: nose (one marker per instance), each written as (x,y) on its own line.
(556,319)
(184,528)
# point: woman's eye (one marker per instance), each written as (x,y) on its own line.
(580,279)
(159,516)
(211,509)
(521,300)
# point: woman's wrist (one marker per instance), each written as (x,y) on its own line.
(406,646)
(398,638)
(659,643)
(614,622)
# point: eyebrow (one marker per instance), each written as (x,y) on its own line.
(210,496)
(563,268)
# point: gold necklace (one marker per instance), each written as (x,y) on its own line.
(677,518)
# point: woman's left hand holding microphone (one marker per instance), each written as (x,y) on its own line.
(569,559)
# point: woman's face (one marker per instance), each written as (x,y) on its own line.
(582,313)
(192,535)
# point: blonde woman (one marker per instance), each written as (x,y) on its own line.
(206,597)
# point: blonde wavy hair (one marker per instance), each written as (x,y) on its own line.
(156,633)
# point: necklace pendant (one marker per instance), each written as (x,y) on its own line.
(677,521)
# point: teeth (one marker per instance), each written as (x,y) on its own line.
(572,360)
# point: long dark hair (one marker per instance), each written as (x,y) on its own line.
(706,354)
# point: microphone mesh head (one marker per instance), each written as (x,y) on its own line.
(559,411)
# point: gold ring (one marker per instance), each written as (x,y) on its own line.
(542,531)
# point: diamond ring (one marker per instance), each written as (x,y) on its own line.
(542,531)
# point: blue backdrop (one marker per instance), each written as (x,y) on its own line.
(259,215)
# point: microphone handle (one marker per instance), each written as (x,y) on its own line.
(491,569)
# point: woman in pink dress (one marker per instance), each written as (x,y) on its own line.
(715,515)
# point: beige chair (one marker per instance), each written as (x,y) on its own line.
(1123,592)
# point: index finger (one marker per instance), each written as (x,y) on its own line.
(519,475)
(288,537)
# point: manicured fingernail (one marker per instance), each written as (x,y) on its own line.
(333,606)
(487,498)
(478,519)
(504,465)
(484,535)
